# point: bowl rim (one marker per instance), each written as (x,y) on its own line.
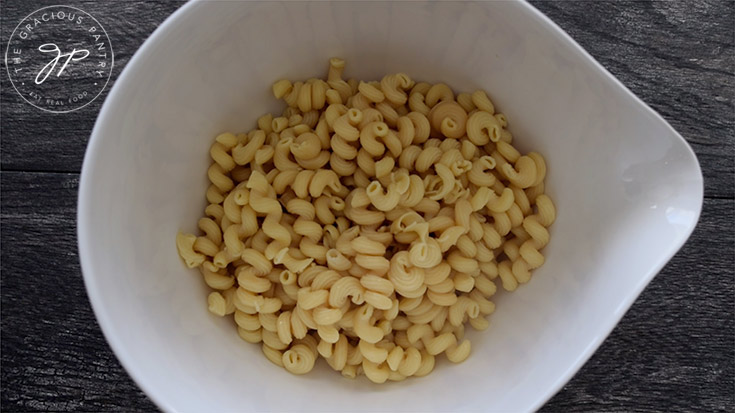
(85,203)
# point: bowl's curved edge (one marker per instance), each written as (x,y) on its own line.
(543,20)
(84,241)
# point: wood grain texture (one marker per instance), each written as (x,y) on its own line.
(54,357)
(42,141)
(679,57)
(673,351)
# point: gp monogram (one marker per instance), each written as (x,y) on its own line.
(59,58)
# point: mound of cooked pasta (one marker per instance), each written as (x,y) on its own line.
(368,224)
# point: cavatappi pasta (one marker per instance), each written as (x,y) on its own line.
(368,224)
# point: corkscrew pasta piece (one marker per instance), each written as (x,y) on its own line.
(394,87)
(449,118)
(368,224)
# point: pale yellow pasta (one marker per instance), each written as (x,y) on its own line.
(404,278)
(381,199)
(216,280)
(227,139)
(460,263)
(414,194)
(417,103)
(439,92)
(306,146)
(441,299)
(465,100)
(437,274)
(363,216)
(344,288)
(336,66)
(308,228)
(482,128)
(536,230)
(324,278)
(337,261)
(377,284)
(273,355)
(506,275)
(248,280)
(394,86)
(369,138)
(411,362)
(281,88)
(215,211)
(294,121)
(269,322)
(371,92)
(459,353)
(368,223)
(205,246)
(375,264)
(374,372)
(185,246)
(479,323)
(366,163)
(248,322)
(384,167)
(318,99)
(464,306)
(286,258)
(378,300)
(444,183)
(298,327)
(469,248)
(332,113)
(449,118)
(342,166)
(523,174)
(328,333)
(465,282)
(299,359)
(485,306)
(372,352)
(429,316)
(253,337)
(427,158)
(531,255)
(219,179)
(546,210)
(440,343)
(220,155)
(367,246)
(394,358)
(350,371)
(482,102)
(363,327)
(216,304)
(390,115)
(326,316)
(256,258)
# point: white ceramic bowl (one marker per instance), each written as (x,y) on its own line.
(627,187)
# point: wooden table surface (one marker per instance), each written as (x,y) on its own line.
(673,351)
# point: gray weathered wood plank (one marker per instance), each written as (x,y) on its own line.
(54,356)
(679,57)
(35,140)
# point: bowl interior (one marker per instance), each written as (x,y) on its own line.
(627,188)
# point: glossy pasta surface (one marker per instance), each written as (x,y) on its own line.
(368,224)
